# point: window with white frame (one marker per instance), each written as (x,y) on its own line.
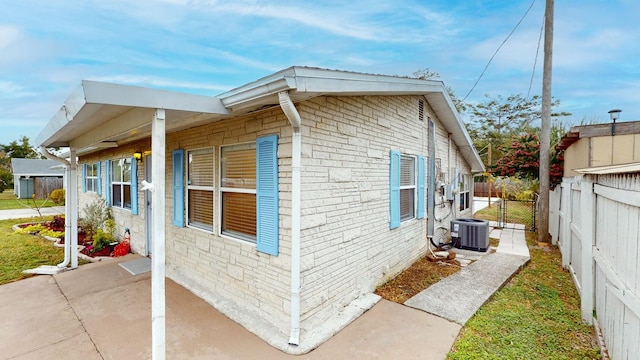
(464,192)
(407,187)
(91,179)
(121,183)
(200,189)
(238,191)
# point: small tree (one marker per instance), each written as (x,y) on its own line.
(521,158)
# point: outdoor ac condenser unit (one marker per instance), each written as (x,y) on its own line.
(470,234)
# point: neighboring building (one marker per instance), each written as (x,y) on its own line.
(35,176)
(289,199)
(598,145)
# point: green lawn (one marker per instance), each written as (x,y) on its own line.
(20,252)
(8,201)
(535,316)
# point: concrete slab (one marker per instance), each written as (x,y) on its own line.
(38,323)
(459,296)
(28,212)
(513,241)
(100,311)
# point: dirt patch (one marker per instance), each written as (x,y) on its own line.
(419,276)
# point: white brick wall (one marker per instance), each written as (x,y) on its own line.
(347,247)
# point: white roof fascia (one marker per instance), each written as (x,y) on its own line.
(91,93)
(610,169)
(316,82)
(455,126)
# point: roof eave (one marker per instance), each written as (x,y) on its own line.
(92,96)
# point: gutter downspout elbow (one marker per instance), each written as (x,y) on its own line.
(67,217)
(292,114)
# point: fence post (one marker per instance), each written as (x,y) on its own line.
(565,212)
(588,224)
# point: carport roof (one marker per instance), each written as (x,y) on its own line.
(107,115)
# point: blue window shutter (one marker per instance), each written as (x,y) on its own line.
(394,190)
(421,186)
(267,194)
(99,178)
(107,183)
(134,186)
(178,187)
(84,177)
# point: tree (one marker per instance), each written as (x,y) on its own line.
(522,160)
(11,151)
(23,150)
(497,120)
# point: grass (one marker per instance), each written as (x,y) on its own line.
(9,201)
(20,252)
(535,316)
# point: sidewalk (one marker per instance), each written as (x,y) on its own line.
(459,296)
(101,311)
(28,213)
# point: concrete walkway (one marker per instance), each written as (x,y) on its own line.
(101,311)
(459,296)
(28,213)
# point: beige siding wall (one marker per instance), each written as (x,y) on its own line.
(576,157)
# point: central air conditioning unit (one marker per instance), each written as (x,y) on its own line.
(470,234)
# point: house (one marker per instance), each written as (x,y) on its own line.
(35,177)
(288,199)
(598,145)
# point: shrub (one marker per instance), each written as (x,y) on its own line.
(57,196)
(97,216)
(101,239)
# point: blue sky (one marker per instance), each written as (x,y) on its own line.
(209,46)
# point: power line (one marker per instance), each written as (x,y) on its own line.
(498,49)
(536,59)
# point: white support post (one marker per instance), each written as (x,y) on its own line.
(158,137)
(588,230)
(73,189)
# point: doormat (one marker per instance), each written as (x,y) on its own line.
(139,266)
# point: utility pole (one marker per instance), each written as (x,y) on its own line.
(545,131)
(489,175)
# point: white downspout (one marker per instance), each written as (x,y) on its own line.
(67,202)
(292,114)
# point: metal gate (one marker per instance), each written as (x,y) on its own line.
(518,212)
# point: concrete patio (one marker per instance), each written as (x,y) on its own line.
(101,311)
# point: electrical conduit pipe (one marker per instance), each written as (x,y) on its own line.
(292,114)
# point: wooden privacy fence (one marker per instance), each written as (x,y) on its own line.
(45,185)
(481,189)
(595,221)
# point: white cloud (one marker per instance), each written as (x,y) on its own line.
(10,89)
(8,36)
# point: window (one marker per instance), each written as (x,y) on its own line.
(249,208)
(407,188)
(121,183)
(91,177)
(200,189)
(465,184)
(238,191)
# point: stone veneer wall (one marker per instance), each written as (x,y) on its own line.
(346,244)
